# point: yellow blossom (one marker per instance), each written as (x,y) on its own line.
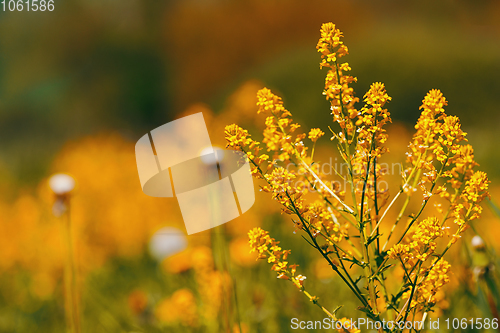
(237,137)
(315,134)
(267,247)
(428,289)
(180,307)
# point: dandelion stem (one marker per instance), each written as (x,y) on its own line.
(70,281)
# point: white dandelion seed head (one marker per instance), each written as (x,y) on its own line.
(477,242)
(207,155)
(61,183)
(166,242)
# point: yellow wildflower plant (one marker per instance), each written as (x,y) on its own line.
(357,225)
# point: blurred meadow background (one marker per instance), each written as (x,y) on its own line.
(80,85)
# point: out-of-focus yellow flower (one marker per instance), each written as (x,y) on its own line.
(211,283)
(180,307)
(238,249)
(178,263)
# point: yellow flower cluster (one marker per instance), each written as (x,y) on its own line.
(401,251)
(423,240)
(279,127)
(269,103)
(337,89)
(371,137)
(364,127)
(427,291)
(428,127)
(321,219)
(267,248)
(239,139)
(450,135)
(277,134)
(330,45)
(288,185)
(422,243)
(283,189)
(317,215)
(476,189)
(439,138)
(315,134)
(463,167)
(373,116)
(211,283)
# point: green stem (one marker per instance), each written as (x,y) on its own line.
(70,281)
(334,267)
